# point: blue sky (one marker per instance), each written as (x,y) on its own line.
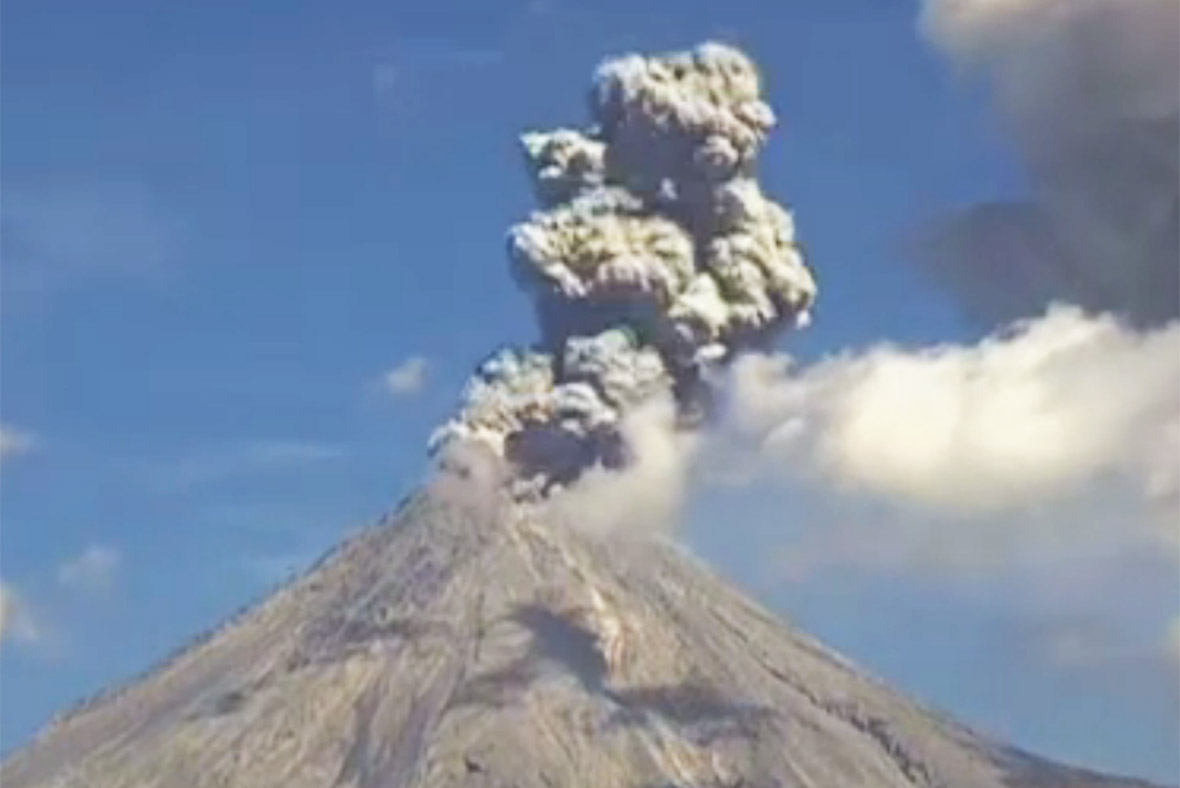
(223,226)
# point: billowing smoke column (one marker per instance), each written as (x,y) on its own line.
(1090,93)
(654,257)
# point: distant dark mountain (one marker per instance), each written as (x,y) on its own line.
(452,645)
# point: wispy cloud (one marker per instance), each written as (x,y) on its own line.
(1077,643)
(93,570)
(408,377)
(408,60)
(242,460)
(16,622)
(427,53)
(60,233)
(14,442)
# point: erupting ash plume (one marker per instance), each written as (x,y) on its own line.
(653,258)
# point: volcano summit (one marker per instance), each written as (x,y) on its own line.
(462,644)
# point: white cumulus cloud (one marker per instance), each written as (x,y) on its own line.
(1029,415)
(408,377)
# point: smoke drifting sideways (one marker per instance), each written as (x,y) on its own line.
(653,260)
(1089,91)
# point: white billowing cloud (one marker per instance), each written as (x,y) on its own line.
(94,569)
(16,622)
(1089,91)
(14,442)
(1036,469)
(1028,416)
(645,497)
(408,377)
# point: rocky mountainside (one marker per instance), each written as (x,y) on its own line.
(465,644)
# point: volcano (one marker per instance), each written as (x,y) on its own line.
(460,642)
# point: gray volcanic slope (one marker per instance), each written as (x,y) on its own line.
(454,645)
